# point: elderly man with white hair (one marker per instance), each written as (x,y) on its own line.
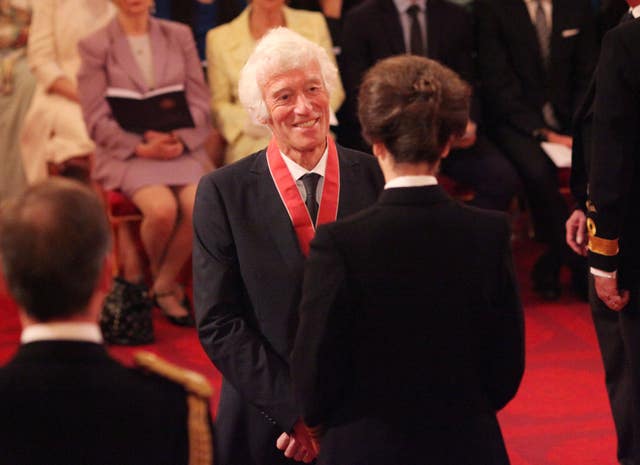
(253,221)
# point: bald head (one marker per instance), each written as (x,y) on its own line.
(53,242)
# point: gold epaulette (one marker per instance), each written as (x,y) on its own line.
(193,382)
(198,393)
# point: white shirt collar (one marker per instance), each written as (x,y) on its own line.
(403,5)
(635,11)
(535,2)
(89,332)
(298,171)
(411,181)
(547,7)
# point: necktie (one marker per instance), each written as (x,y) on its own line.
(542,29)
(310,181)
(416,47)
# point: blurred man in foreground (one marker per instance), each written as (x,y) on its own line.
(63,399)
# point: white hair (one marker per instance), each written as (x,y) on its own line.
(279,51)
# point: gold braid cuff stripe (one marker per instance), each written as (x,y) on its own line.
(607,247)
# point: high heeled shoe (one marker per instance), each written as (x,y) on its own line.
(184,320)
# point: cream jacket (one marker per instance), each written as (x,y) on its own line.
(228,48)
(54,129)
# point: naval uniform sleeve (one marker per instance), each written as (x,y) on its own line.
(616,141)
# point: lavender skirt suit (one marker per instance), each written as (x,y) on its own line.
(108,61)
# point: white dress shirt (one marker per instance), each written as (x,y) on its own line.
(547,7)
(405,20)
(298,171)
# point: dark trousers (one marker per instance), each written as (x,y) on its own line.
(540,179)
(619,340)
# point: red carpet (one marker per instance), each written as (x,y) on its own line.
(559,417)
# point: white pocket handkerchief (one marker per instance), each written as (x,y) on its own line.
(570,33)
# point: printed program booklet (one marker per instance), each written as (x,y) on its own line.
(163,109)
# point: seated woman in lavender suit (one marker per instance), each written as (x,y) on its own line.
(158,171)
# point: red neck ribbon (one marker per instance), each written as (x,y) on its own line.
(293,201)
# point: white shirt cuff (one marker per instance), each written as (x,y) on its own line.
(603,274)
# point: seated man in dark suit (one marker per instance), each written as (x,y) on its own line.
(416,286)
(63,399)
(535,59)
(377,29)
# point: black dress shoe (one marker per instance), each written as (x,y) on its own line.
(546,278)
(185,320)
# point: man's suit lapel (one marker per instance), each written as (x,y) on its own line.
(273,215)
(517,13)
(391,25)
(271,211)
(434,24)
(352,185)
(561,20)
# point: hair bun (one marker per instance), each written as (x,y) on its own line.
(424,89)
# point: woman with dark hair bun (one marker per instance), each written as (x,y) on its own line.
(414,107)
(418,284)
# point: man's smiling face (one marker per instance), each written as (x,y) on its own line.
(298,105)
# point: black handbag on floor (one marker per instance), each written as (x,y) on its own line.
(126,314)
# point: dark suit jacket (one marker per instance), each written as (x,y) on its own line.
(372,31)
(614,176)
(247,278)
(334,24)
(411,329)
(69,403)
(515,82)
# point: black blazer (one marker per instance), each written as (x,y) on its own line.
(515,82)
(411,333)
(372,31)
(614,176)
(69,403)
(247,278)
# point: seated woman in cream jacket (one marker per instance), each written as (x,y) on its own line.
(54,129)
(16,89)
(229,46)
